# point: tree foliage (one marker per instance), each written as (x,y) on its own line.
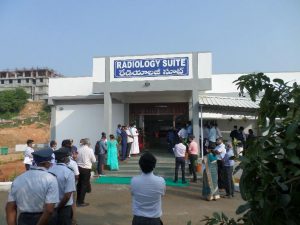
(270,182)
(12,101)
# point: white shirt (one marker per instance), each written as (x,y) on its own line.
(146,191)
(28,158)
(86,157)
(179,150)
(73,165)
(128,132)
(222,150)
(34,188)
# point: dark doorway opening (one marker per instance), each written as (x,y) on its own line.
(156,128)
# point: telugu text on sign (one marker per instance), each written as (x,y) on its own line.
(154,67)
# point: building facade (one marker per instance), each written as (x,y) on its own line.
(154,91)
(34,81)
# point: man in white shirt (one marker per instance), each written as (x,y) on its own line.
(28,158)
(179,152)
(85,160)
(147,190)
(129,141)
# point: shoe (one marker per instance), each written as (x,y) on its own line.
(83,204)
(184,182)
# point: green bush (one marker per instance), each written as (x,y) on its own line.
(12,101)
(270,182)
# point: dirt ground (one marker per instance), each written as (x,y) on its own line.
(111,205)
(19,135)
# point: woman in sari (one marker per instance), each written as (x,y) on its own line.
(112,153)
(210,189)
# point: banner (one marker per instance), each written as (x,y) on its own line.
(152,67)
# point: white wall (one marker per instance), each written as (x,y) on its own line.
(70,86)
(84,121)
(204,65)
(222,83)
(99,69)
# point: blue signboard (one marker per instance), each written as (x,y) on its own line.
(153,67)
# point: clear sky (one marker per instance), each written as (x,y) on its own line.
(243,35)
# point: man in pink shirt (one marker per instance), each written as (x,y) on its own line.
(193,156)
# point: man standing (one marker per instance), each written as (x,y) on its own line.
(228,167)
(147,190)
(193,156)
(85,160)
(220,152)
(28,158)
(66,184)
(100,151)
(129,141)
(34,193)
(53,145)
(212,135)
(135,148)
(179,152)
(123,143)
(234,133)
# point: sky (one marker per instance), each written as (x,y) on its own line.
(64,35)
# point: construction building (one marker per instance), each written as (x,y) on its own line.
(34,81)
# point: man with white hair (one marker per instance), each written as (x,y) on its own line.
(85,160)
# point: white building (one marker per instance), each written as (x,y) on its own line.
(154,91)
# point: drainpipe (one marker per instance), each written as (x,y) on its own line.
(202,139)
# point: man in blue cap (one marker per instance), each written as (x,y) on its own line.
(34,193)
(66,184)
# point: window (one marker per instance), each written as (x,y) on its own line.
(19,81)
(34,81)
(10,81)
(2,81)
(27,80)
(41,80)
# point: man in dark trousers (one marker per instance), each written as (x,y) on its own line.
(34,193)
(66,184)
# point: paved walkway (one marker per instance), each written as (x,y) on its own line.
(111,205)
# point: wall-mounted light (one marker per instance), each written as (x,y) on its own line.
(60,108)
(147,84)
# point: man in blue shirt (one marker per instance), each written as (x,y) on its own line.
(228,167)
(34,193)
(66,184)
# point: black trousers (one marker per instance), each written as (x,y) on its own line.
(140,220)
(229,185)
(193,160)
(180,161)
(83,184)
(27,166)
(128,148)
(221,174)
(101,159)
(62,216)
(29,218)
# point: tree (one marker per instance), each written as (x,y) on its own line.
(12,100)
(270,182)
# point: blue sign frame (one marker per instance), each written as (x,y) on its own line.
(152,67)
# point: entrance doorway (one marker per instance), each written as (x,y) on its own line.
(156,128)
(155,119)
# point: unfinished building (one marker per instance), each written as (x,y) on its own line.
(34,81)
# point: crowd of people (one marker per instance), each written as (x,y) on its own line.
(57,180)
